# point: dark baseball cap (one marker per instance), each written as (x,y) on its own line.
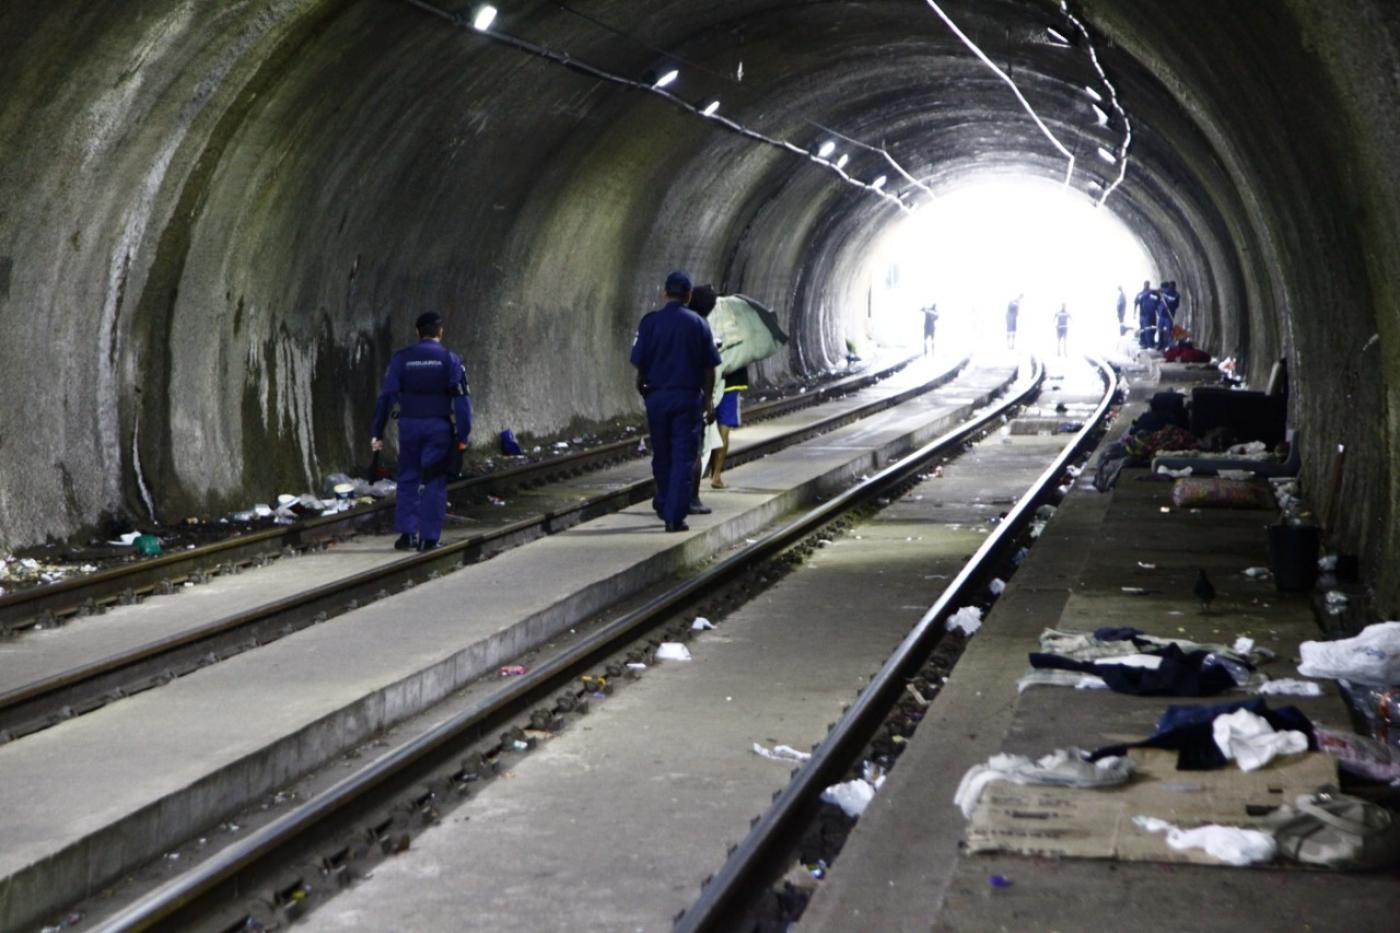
(677,283)
(428,321)
(702,299)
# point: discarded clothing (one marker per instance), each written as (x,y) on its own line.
(1372,657)
(1179,673)
(1249,740)
(1064,767)
(1289,687)
(1360,755)
(1052,678)
(1189,730)
(1142,448)
(1114,641)
(1230,844)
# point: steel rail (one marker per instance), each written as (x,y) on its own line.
(176,894)
(35,705)
(52,601)
(758,859)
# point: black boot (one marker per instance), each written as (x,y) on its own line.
(428,544)
(406,542)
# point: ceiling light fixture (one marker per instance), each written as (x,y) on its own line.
(667,79)
(879,183)
(1107,156)
(1100,115)
(841,162)
(827,148)
(710,108)
(484,18)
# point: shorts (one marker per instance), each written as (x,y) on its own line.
(727,412)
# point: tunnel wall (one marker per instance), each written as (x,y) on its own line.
(1298,104)
(217,221)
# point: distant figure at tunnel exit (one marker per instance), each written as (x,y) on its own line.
(428,383)
(1062,331)
(1013,310)
(930,313)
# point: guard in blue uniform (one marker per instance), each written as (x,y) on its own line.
(1167,306)
(1146,304)
(675,357)
(429,384)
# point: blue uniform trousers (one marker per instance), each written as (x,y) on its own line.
(424,446)
(675,418)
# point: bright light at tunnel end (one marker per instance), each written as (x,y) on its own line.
(485,16)
(986,239)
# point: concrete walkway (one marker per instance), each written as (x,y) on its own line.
(903,869)
(612,825)
(82,801)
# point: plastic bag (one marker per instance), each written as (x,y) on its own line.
(1372,657)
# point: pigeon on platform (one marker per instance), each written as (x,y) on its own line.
(1204,591)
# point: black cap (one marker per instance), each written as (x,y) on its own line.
(428,322)
(702,299)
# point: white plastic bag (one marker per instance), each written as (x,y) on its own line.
(1373,657)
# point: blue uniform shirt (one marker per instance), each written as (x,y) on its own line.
(426,380)
(673,348)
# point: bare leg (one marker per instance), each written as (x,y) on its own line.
(717,459)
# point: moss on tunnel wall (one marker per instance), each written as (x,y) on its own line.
(226,217)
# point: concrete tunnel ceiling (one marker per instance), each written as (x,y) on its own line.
(218,220)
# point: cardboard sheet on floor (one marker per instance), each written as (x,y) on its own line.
(1069,822)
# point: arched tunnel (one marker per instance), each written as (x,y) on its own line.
(219,219)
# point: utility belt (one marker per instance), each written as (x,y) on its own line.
(417,405)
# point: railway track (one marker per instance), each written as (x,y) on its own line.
(50,604)
(388,800)
(39,703)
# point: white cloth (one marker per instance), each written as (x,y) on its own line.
(1290,687)
(1249,740)
(1065,767)
(1229,844)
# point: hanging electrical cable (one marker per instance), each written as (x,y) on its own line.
(972,46)
(1112,98)
(823,152)
(709,113)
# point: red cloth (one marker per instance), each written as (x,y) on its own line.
(1186,355)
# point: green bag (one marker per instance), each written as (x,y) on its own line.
(1334,830)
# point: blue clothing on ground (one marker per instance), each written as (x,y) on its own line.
(428,384)
(424,447)
(673,348)
(674,417)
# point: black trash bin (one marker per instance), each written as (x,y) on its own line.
(1293,556)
